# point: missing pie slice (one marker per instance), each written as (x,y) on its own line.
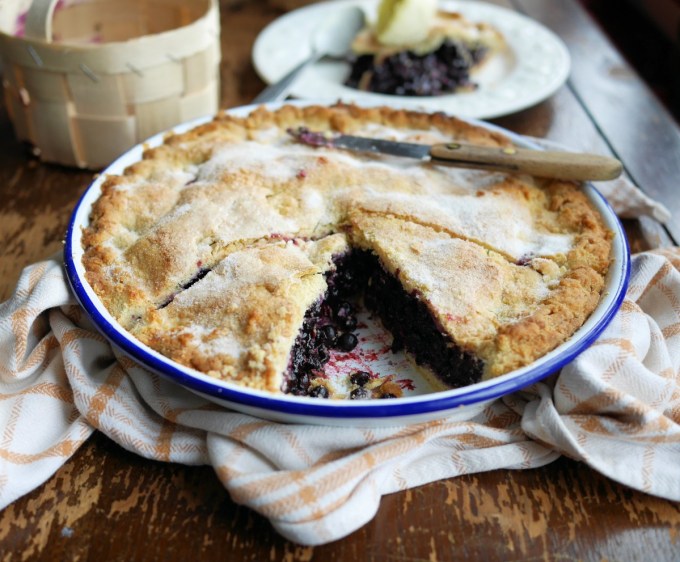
(235,251)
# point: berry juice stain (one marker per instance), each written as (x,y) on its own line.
(373,355)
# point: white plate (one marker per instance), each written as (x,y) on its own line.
(460,403)
(535,65)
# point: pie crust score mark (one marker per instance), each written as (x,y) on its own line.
(202,272)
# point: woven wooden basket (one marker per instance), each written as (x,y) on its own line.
(86,81)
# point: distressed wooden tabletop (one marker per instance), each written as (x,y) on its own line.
(108,504)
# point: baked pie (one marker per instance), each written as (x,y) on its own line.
(442,61)
(237,251)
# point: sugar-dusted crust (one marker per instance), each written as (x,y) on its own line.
(241,320)
(167,235)
(227,184)
(503,312)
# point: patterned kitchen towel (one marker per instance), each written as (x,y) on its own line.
(616,407)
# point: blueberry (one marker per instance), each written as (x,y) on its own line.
(360,378)
(300,385)
(326,311)
(323,355)
(312,363)
(348,323)
(329,334)
(344,310)
(319,391)
(347,342)
(359,394)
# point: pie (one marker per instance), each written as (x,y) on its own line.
(234,250)
(444,61)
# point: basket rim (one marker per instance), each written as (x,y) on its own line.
(116,57)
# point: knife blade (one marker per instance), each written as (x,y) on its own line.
(542,163)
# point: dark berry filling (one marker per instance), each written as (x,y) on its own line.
(408,74)
(359,394)
(327,325)
(347,342)
(413,328)
(360,378)
(202,272)
(319,391)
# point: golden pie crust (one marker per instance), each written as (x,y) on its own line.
(451,26)
(212,248)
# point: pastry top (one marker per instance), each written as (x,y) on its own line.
(240,320)
(451,26)
(446,271)
(167,237)
(475,293)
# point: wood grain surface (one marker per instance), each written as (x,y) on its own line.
(109,504)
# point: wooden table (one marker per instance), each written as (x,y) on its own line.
(108,504)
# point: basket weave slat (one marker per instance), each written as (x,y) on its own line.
(158,115)
(99,136)
(45,86)
(103,98)
(191,104)
(104,59)
(84,105)
(199,70)
(165,80)
(51,124)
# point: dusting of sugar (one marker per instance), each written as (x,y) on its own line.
(284,161)
(313,200)
(497,221)
(470,180)
(425,136)
(248,267)
(224,345)
(172,216)
(269,135)
(443,259)
(182,177)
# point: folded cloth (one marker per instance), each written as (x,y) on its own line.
(616,407)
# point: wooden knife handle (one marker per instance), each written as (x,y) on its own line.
(542,163)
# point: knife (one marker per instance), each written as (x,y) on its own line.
(542,163)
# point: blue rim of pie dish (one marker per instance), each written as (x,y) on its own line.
(307,407)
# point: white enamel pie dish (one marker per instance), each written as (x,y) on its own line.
(461,403)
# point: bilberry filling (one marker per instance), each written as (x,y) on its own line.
(202,272)
(409,74)
(413,328)
(329,323)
